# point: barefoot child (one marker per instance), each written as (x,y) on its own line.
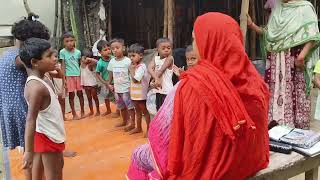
(192,60)
(70,57)
(44,133)
(161,70)
(139,86)
(103,74)
(119,72)
(89,81)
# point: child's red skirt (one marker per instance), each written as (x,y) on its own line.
(43,144)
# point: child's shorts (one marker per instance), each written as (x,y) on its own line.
(73,83)
(123,100)
(160,100)
(106,93)
(43,144)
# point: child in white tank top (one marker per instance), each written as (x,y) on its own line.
(161,70)
(44,133)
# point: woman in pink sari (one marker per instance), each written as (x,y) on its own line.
(213,124)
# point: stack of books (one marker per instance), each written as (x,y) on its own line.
(285,139)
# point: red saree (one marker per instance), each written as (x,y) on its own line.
(219,128)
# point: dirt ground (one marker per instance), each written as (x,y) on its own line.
(103,150)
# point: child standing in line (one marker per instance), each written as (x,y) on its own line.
(161,70)
(70,57)
(139,86)
(119,72)
(103,73)
(89,81)
(44,133)
(192,60)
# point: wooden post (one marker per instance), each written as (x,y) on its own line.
(243,19)
(109,20)
(170,19)
(55,27)
(253,34)
(165,18)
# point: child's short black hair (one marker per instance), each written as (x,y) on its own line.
(136,48)
(87,53)
(119,40)
(28,28)
(33,48)
(189,48)
(102,44)
(163,40)
(67,35)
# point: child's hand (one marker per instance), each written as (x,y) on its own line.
(111,88)
(132,67)
(27,160)
(157,83)
(177,71)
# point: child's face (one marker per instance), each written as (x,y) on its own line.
(47,62)
(69,43)
(165,49)
(135,57)
(192,58)
(105,52)
(117,49)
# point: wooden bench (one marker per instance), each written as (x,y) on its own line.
(283,166)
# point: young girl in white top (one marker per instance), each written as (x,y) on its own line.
(88,79)
(139,86)
(161,70)
(44,133)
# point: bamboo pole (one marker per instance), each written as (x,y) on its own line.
(170,19)
(243,19)
(165,18)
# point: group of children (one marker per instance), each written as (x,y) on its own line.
(124,80)
(127,81)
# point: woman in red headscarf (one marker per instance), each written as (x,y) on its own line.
(213,125)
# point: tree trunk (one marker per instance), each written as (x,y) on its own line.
(243,19)
(165,19)
(55,28)
(253,35)
(76,16)
(170,19)
(86,25)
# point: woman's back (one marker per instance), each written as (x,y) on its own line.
(13,107)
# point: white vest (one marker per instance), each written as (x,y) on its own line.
(50,120)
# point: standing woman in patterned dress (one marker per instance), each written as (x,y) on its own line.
(13,107)
(291,39)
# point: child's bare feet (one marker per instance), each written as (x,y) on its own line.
(121,124)
(135,131)
(91,114)
(85,115)
(69,153)
(129,128)
(97,114)
(106,113)
(76,117)
(115,115)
